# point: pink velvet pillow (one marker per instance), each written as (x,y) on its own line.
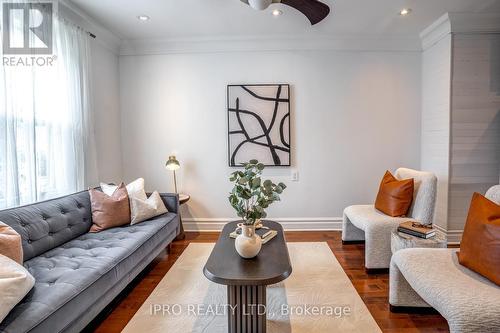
(109,211)
(10,243)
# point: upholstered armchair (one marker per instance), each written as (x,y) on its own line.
(424,278)
(364,222)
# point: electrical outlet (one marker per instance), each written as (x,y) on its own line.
(294,176)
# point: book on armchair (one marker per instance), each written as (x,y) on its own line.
(416,229)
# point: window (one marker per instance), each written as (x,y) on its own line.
(46,141)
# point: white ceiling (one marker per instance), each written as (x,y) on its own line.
(171,19)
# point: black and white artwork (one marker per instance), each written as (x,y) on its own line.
(259,124)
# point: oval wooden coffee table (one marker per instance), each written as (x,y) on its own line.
(246,279)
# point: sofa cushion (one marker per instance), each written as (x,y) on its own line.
(69,277)
(48,224)
(366,216)
(466,299)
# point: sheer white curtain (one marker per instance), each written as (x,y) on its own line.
(46,135)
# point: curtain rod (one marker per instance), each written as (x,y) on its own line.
(67,14)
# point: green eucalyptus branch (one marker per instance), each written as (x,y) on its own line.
(251,196)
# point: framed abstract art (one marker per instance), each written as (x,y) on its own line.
(259,124)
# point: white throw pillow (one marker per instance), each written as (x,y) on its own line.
(135,189)
(143,210)
(15,283)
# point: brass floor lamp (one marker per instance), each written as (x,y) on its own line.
(172,165)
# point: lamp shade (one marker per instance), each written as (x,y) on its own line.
(259,4)
(172,163)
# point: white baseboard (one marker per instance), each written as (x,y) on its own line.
(454,236)
(288,223)
(297,224)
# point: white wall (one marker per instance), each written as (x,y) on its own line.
(475,121)
(106,102)
(461,112)
(435,153)
(354,115)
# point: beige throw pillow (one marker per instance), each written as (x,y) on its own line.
(145,209)
(15,283)
(10,243)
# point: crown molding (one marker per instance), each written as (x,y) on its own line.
(269,43)
(475,23)
(436,31)
(104,36)
(460,23)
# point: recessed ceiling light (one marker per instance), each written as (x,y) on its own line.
(143,18)
(277,12)
(405,11)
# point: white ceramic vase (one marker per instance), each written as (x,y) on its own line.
(248,243)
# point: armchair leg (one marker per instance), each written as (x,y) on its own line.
(402,297)
(350,233)
(377,270)
(349,242)
(412,309)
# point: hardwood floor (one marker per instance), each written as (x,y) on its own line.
(372,288)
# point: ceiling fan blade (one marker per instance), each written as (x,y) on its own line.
(314,10)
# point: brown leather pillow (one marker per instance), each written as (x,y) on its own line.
(394,196)
(480,246)
(10,243)
(109,211)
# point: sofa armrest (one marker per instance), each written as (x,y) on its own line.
(171,201)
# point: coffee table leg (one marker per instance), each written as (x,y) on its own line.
(247,309)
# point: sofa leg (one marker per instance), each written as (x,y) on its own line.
(412,309)
(168,249)
(181,234)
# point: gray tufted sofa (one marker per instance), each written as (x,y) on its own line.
(78,273)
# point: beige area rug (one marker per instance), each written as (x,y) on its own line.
(317,297)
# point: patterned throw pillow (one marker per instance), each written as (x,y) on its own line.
(146,209)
